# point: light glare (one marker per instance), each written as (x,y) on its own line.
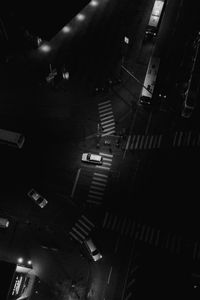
(66,29)
(94,3)
(20,260)
(80,17)
(45,48)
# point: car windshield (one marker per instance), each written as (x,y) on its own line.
(95,252)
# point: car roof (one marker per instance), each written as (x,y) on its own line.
(95,157)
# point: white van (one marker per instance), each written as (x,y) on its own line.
(4,223)
(92,249)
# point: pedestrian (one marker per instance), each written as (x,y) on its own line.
(110,149)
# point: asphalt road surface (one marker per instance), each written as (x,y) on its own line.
(149,183)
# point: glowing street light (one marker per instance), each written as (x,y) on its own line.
(20,260)
(45,48)
(94,3)
(80,17)
(66,29)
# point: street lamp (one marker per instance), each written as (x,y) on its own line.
(20,260)
(94,3)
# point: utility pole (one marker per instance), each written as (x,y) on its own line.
(138,81)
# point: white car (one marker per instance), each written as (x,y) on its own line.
(41,201)
(93,251)
(92,158)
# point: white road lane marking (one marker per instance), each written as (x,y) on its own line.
(104,110)
(75,183)
(107,113)
(102,167)
(106,122)
(101,103)
(108,125)
(109,275)
(98,183)
(108,133)
(107,129)
(106,118)
(101,175)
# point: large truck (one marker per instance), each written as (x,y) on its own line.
(155,18)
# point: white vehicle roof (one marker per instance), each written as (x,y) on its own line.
(95,157)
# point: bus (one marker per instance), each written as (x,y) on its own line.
(149,81)
(11,138)
(155,18)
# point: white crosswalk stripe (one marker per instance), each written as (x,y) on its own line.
(106,118)
(142,142)
(108,133)
(186,139)
(81,229)
(106,113)
(131,146)
(94,182)
(106,154)
(109,129)
(102,103)
(108,121)
(105,109)
(109,125)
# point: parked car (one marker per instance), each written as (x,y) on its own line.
(4,223)
(92,158)
(39,200)
(92,250)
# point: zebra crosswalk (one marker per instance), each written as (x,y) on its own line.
(99,180)
(142,141)
(107,161)
(97,188)
(81,229)
(186,139)
(128,227)
(106,117)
